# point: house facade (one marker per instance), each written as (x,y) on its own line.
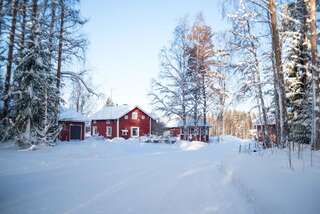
(197,131)
(121,121)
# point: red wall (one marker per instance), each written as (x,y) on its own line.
(143,124)
(64,133)
(174,132)
(102,127)
(272,132)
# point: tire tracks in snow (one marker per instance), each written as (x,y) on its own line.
(247,193)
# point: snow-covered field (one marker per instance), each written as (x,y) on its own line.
(118,177)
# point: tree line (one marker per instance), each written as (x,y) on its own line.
(39,40)
(235,123)
(270,46)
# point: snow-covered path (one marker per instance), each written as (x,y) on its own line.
(99,177)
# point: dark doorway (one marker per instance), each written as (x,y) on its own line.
(75,133)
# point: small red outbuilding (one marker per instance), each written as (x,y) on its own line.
(195,130)
(73,125)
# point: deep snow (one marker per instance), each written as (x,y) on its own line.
(98,176)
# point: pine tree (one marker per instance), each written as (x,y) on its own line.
(297,72)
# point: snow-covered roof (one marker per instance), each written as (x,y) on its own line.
(271,120)
(190,122)
(72,115)
(115,112)
(110,112)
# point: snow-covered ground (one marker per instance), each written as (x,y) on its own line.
(98,176)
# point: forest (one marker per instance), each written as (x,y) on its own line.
(270,51)
(39,42)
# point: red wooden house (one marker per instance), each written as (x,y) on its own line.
(73,125)
(271,128)
(197,131)
(121,121)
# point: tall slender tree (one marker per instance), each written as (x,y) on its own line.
(315,76)
(7,83)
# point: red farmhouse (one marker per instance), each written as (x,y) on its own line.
(73,125)
(121,121)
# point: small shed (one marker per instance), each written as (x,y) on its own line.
(270,126)
(73,125)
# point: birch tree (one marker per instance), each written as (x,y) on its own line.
(245,44)
(171,92)
(203,67)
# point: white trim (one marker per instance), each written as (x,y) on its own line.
(94,130)
(134,115)
(134,127)
(107,131)
(118,131)
(124,132)
(140,110)
(150,125)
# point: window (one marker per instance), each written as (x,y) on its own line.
(108,122)
(134,115)
(109,131)
(134,131)
(126,117)
(94,130)
(124,132)
(142,117)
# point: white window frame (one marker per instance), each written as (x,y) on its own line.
(126,117)
(138,130)
(134,115)
(124,132)
(108,132)
(94,130)
(143,117)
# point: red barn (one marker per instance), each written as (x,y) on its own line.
(195,130)
(121,121)
(73,125)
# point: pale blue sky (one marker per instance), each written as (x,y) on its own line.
(126,37)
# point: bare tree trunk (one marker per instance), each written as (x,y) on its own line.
(204,97)
(276,96)
(7,84)
(279,73)
(266,138)
(315,138)
(264,112)
(23,28)
(1,16)
(61,37)
(1,24)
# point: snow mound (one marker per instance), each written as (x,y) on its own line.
(191,146)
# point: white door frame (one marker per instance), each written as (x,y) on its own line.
(134,127)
